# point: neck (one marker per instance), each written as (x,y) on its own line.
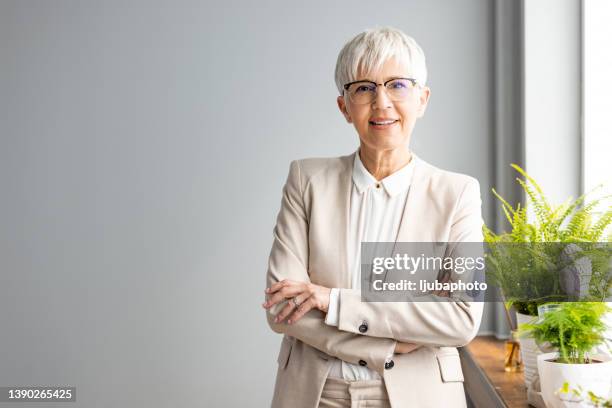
(383,163)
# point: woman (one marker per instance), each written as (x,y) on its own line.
(338,351)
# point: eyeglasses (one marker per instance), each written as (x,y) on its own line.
(363,92)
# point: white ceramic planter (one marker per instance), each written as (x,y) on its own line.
(596,377)
(529,352)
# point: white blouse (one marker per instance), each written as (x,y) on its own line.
(376,209)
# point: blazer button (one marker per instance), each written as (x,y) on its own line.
(389,365)
(362,363)
(363,328)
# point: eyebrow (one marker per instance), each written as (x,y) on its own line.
(387,79)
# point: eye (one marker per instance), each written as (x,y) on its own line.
(398,84)
(363,88)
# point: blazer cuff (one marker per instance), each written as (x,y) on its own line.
(334,308)
(355,317)
(349,318)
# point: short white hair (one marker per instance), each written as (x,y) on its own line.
(368,51)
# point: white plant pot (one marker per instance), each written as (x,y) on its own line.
(595,377)
(529,352)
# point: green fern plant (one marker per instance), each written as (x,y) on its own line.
(520,261)
(569,222)
(573,329)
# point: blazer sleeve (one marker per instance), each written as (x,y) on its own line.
(453,323)
(289,260)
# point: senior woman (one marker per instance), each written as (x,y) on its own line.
(338,351)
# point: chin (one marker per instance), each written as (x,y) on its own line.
(380,142)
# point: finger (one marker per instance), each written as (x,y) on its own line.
(285,293)
(302,310)
(278,285)
(403,348)
(301,298)
(410,347)
(444,278)
(289,307)
(282,284)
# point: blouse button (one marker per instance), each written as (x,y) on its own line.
(377,185)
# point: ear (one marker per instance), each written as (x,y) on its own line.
(342,106)
(423,100)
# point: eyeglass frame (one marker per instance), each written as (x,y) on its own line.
(384,84)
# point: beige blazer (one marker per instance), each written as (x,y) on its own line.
(310,241)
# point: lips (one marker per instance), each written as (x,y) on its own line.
(382,121)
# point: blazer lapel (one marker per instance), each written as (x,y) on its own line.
(342,209)
(412,226)
(328,207)
(412,222)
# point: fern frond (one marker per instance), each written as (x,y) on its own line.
(581,220)
(530,179)
(539,208)
(508,209)
(601,225)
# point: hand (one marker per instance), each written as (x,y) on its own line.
(443,293)
(404,348)
(308,296)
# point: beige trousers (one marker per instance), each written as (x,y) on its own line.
(339,393)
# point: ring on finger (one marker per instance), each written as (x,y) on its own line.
(295,302)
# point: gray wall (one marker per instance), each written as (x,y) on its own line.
(143,148)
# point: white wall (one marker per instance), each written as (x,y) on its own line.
(552,95)
(597,66)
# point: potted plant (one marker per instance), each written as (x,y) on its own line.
(571,395)
(574,329)
(539,259)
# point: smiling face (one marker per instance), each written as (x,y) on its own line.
(384,124)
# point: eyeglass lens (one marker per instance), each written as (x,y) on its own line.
(365,92)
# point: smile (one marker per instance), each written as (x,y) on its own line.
(383,122)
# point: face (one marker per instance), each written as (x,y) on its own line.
(367,118)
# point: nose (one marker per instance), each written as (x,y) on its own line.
(381,99)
